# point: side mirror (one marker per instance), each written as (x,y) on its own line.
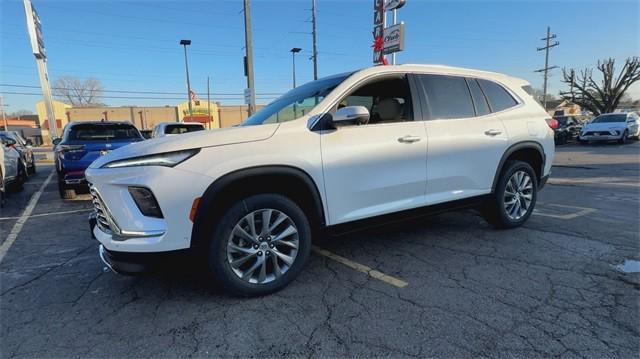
(56,141)
(351,114)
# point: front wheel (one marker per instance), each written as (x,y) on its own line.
(514,197)
(260,245)
(623,139)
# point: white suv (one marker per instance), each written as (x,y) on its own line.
(340,151)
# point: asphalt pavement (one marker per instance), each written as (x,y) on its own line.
(447,286)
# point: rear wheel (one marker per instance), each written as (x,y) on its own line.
(64,191)
(32,168)
(514,197)
(260,245)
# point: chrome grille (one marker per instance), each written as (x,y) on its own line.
(100,211)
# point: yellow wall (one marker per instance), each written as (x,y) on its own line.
(59,110)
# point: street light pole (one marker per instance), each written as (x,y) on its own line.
(248,44)
(184,43)
(294,51)
(4,118)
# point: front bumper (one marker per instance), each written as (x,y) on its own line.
(121,227)
(600,137)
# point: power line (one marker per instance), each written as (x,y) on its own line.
(132,97)
(145,92)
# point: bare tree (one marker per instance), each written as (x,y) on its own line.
(605,96)
(20,113)
(538,95)
(77,92)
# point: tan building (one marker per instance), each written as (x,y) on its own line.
(144,117)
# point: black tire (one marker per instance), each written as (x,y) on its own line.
(494,210)
(218,261)
(623,139)
(64,191)
(32,169)
(21,178)
(3,189)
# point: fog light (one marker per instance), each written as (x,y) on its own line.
(146,202)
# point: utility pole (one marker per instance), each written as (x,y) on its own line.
(209,104)
(313,34)
(546,68)
(248,45)
(4,118)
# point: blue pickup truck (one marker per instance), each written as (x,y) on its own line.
(81,143)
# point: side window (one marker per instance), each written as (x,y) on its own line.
(498,97)
(482,107)
(447,96)
(388,100)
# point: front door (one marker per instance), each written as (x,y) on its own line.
(379,167)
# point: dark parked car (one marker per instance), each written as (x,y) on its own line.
(81,144)
(568,129)
(24,149)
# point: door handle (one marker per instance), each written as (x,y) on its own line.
(492,132)
(408,139)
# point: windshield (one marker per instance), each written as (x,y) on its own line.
(297,102)
(103,132)
(178,129)
(610,118)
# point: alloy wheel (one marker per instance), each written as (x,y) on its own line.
(263,246)
(518,195)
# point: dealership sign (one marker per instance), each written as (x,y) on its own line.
(386,40)
(394,4)
(35,30)
(393,39)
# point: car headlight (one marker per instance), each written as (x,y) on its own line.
(168,159)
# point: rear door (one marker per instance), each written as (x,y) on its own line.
(466,140)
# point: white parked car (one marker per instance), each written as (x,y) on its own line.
(175,128)
(611,127)
(10,169)
(338,152)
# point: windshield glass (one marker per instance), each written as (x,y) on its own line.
(182,128)
(610,118)
(103,132)
(297,102)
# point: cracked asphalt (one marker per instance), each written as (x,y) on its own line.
(547,289)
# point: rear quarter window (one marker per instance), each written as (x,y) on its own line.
(498,97)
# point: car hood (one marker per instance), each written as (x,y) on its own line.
(604,126)
(199,139)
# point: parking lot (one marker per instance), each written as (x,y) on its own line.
(445,286)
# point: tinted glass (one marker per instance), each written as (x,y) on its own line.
(178,129)
(388,100)
(102,132)
(482,108)
(498,97)
(448,96)
(610,118)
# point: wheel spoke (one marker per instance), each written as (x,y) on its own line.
(249,272)
(280,219)
(263,271)
(276,267)
(251,221)
(240,232)
(266,219)
(284,234)
(239,249)
(238,262)
(288,260)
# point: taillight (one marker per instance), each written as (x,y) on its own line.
(553,123)
(72,151)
